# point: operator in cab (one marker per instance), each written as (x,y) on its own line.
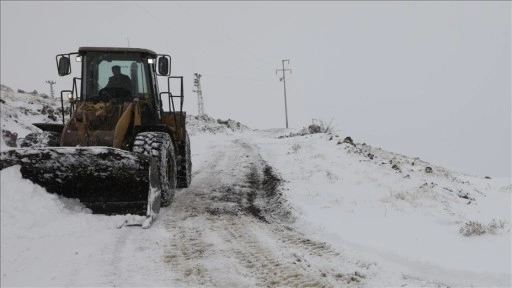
(119,80)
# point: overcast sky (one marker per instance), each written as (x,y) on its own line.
(430,79)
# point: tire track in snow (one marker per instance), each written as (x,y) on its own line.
(263,262)
(185,252)
(224,234)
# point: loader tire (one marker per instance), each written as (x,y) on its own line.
(159,146)
(40,140)
(184,165)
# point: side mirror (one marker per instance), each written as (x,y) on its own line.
(64,66)
(164,65)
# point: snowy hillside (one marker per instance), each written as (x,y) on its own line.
(279,207)
(418,220)
(20,109)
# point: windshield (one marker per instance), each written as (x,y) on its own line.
(121,75)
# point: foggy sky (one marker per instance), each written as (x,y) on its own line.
(426,79)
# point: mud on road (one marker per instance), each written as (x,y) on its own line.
(233,227)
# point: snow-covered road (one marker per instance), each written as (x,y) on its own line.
(229,230)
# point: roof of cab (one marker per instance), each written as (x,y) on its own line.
(115,50)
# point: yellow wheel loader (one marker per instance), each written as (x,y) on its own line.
(124,148)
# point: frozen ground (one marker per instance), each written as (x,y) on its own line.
(267,211)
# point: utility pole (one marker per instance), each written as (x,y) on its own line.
(197,85)
(284,85)
(51,87)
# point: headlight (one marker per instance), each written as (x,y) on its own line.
(70,96)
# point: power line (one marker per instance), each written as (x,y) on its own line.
(284,85)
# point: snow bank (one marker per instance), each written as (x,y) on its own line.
(41,232)
(26,206)
(52,241)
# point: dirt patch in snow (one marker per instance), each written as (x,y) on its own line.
(259,196)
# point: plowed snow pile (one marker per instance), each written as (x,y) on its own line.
(52,241)
(28,206)
(36,231)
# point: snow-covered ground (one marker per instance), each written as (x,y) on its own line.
(265,210)
(407,221)
(19,110)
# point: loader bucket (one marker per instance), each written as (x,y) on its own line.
(106,180)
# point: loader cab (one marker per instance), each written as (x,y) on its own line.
(118,76)
(137,80)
